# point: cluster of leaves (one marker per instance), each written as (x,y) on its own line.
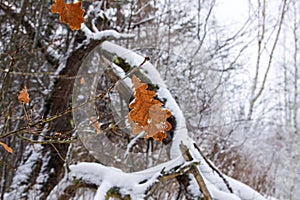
(147,113)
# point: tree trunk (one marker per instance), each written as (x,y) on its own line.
(60,101)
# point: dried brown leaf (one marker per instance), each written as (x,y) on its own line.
(71,14)
(143,100)
(147,114)
(158,124)
(7,148)
(82,81)
(24,96)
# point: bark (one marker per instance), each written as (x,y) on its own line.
(58,102)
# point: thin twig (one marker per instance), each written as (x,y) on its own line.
(71,140)
(26,115)
(58,153)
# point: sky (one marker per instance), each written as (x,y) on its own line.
(230,12)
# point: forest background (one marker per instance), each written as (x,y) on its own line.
(240,74)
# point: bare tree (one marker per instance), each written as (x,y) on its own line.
(261,45)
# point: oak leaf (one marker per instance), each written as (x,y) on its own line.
(7,148)
(24,96)
(71,14)
(147,114)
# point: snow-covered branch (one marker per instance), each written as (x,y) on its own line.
(136,184)
(215,183)
(105,34)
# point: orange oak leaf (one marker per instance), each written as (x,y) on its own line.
(71,14)
(147,114)
(24,96)
(7,148)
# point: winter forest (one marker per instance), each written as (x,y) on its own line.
(148,99)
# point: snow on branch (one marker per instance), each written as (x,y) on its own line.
(137,184)
(105,34)
(134,184)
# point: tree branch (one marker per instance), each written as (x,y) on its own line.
(198,176)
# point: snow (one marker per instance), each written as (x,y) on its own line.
(35,192)
(119,71)
(131,57)
(19,186)
(102,190)
(103,35)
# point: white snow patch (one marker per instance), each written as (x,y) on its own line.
(19,184)
(104,35)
